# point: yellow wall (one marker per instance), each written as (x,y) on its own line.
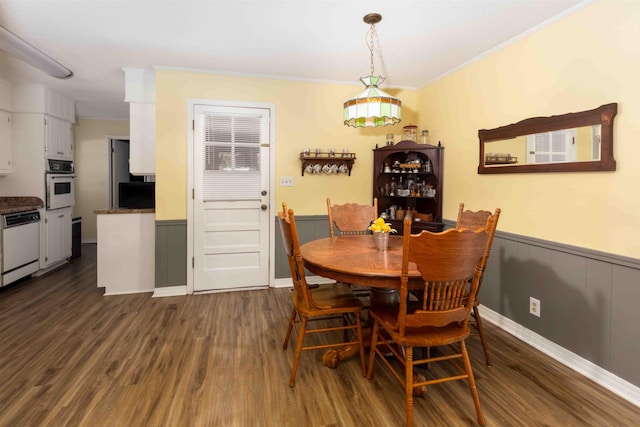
(308,114)
(92,169)
(578,63)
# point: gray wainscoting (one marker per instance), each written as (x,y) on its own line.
(171,253)
(588,299)
(309,227)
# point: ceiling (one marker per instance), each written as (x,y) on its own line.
(323,40)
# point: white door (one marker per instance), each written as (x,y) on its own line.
(230,198)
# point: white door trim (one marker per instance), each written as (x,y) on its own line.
(191,103)
(107,157)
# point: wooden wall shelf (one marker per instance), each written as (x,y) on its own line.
(339,163)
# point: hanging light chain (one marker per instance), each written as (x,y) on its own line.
(371,34)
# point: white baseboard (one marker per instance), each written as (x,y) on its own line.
(590,370)
(108,294)
(170,291)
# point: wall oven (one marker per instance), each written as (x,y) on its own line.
(60,184)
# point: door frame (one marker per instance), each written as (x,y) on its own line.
(191,103)
(109,166)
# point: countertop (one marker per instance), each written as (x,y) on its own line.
(122,211)
(19,204)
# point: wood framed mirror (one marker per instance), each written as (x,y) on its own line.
(573,142)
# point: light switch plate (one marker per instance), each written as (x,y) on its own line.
(286,181)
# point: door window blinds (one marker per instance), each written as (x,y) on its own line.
(231,169)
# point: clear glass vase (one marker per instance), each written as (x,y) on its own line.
(381,241)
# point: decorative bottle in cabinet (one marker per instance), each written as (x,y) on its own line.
(408,179)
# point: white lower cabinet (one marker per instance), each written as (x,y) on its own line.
(126,252)
(58,232)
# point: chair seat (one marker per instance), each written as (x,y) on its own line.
(327,298)
(426,336)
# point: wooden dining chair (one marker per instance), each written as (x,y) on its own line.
(351,218)
(449,263)
(473,220)
(325,303)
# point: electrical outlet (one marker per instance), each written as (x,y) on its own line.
(286,181)
(534,306)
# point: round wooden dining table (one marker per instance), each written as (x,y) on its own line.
(355,260)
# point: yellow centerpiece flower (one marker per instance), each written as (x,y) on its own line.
(380,226)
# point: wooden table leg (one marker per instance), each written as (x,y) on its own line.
(379,296)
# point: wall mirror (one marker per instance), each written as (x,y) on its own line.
(573,142)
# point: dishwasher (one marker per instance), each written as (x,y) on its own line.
(20,245)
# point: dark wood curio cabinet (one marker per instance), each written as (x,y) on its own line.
(407,179)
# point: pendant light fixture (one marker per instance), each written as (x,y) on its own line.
(373,107)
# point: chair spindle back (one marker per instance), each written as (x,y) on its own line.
(446,261)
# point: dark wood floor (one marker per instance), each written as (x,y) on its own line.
(70,356)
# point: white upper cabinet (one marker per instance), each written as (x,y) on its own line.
(140,93)
(58,139)
(6,142)
(6,159)
(58,113)
(30,98)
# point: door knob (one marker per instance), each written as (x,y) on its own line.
(263,207)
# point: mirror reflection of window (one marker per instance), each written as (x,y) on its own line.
(552,147)
(596,134)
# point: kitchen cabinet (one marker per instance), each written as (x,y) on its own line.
(58,235)
(142,138)
(41,123)
(6,143)
(34,98)
(58,139)
(408,177)
(57,113)
(140,93)
(126,251)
